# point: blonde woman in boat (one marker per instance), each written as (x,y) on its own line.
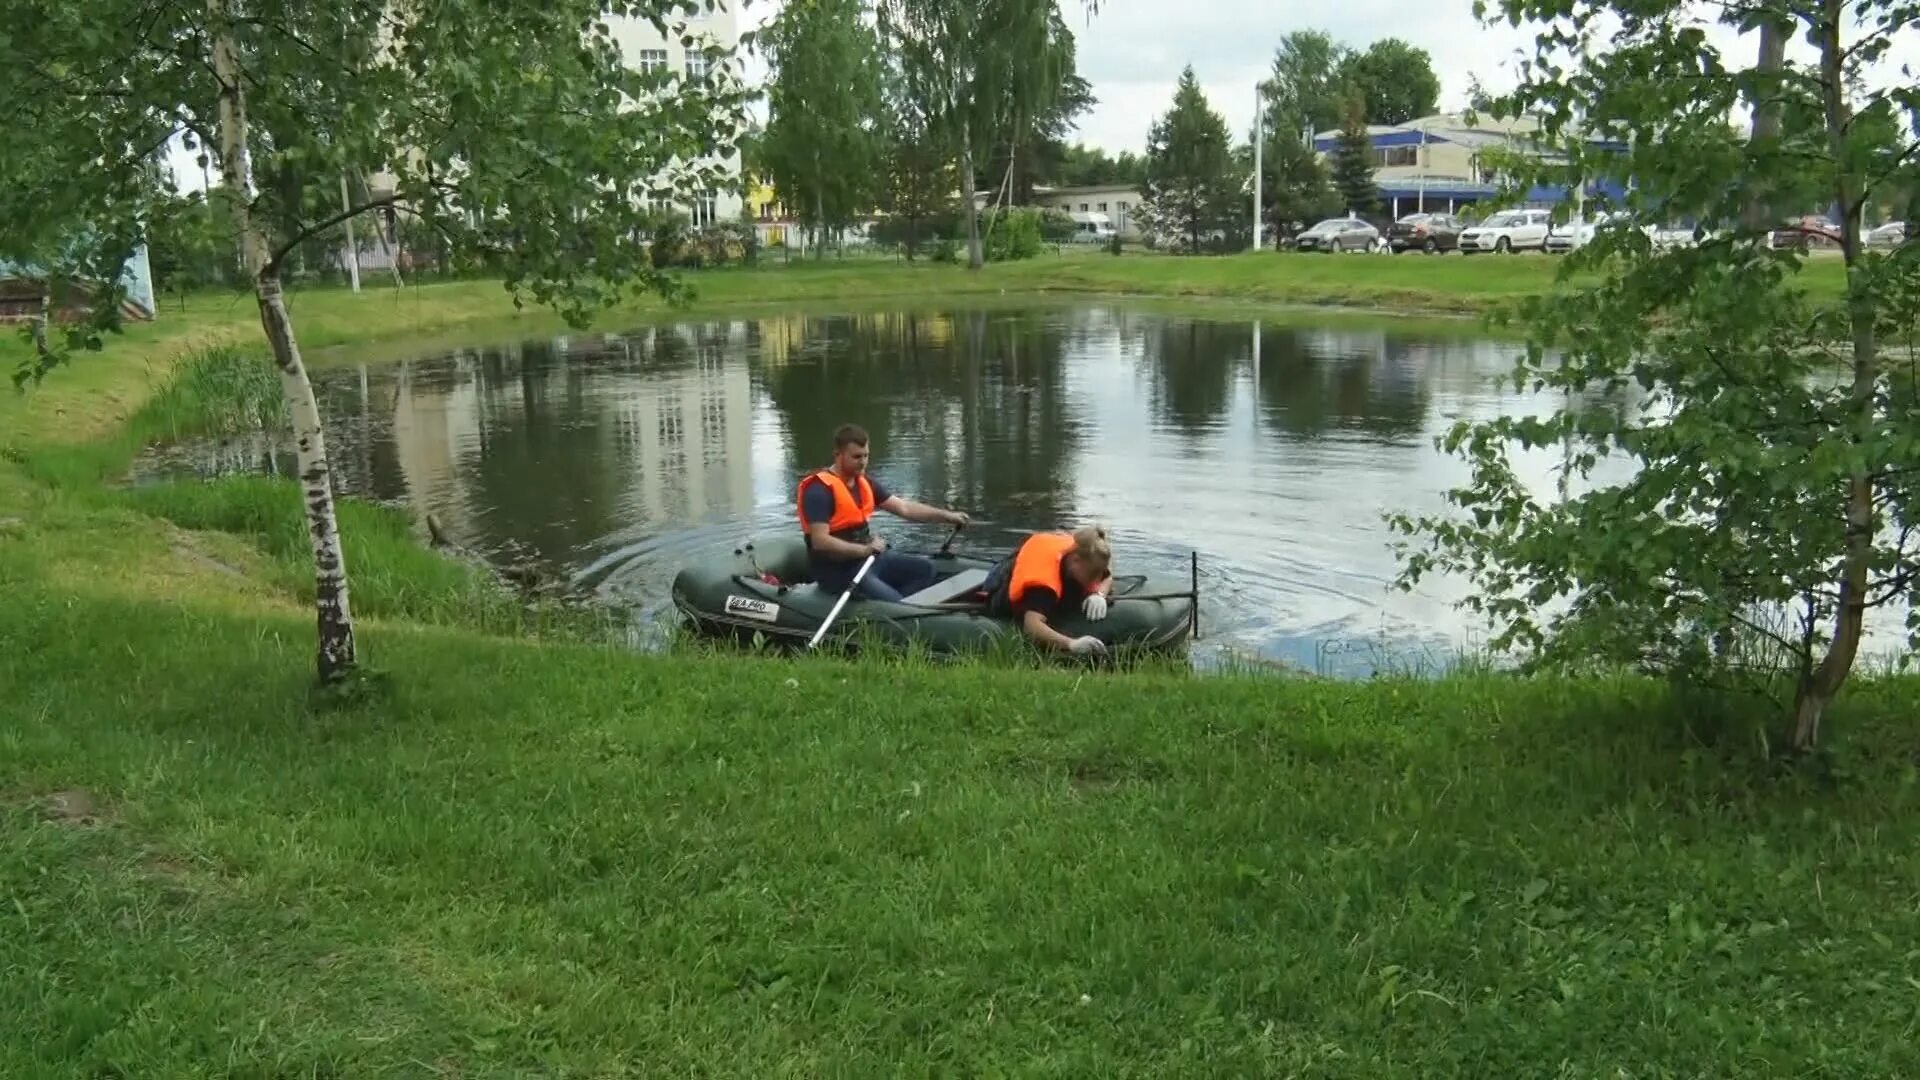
(1050,575)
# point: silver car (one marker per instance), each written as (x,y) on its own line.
(1339,234)
(1891,235)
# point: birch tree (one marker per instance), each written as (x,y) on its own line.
(1769,417)
(979,70)
(512,129)
(826,126)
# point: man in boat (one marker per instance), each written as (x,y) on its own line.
(835,506)
(1051,573)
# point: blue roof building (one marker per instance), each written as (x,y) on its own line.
(1440,163)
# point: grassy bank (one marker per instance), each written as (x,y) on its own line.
(533,857)
(561,861)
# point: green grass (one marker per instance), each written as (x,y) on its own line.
(560,861)
(393,575)
(520,855)
(226,390)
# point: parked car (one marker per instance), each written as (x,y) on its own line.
(1810,231)
(1508,231)
(1678,235)
(1573,235)
(1338,234)
(1891,235)
(1431,233)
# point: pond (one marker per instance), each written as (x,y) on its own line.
(1272,449)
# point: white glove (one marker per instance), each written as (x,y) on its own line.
(1095,607)
(1087,644)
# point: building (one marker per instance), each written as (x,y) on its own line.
(1446,162)
(643,47)
(24,295)
(773,224)
(776,226)
(683,51)
(1120,202)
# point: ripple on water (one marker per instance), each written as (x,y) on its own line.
(620,457)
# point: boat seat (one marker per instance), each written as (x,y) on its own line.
(953,588)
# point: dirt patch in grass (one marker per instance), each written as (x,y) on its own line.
(76,807)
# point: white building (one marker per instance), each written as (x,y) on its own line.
(646,49)
(1120,202)
(683,51)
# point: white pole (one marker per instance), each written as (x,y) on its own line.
(350,256)
(1258,139)
(1421,163)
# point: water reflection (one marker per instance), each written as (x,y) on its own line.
(1271,450)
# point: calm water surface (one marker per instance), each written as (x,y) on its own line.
(1271,450)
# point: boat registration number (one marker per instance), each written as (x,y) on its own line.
(749,608)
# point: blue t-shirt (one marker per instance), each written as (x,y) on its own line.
(830,572)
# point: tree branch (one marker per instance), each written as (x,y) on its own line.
(311,231)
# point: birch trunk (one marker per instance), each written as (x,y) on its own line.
(1817,690)
(975,260)
(40,320)
(1758,213)
(335,654)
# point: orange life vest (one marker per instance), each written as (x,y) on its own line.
(850,511)
(1037,565)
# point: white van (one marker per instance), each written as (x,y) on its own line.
(1091,228)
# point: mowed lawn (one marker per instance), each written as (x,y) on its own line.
(521,854)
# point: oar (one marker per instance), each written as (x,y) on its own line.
(842,602)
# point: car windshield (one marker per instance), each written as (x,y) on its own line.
(1330,225)
(1416,219)
(1501,221)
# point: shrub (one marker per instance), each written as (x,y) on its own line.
(1057,227)
(1015,235)
(923,234)
(668,245)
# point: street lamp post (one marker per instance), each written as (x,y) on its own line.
(1259,139)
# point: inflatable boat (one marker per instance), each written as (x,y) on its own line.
(763,589)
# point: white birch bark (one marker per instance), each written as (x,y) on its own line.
(1820,687)
(335,653)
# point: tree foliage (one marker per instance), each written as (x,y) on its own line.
(1035,152)
(511,129)
(190,242)
(825,137)
(1313,78)
(1739,450)
(978,72)
(1395,81)
(1352,164)
(1306,87)
(1295,185)
(1192,194)
(1091,166)
(917,176)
